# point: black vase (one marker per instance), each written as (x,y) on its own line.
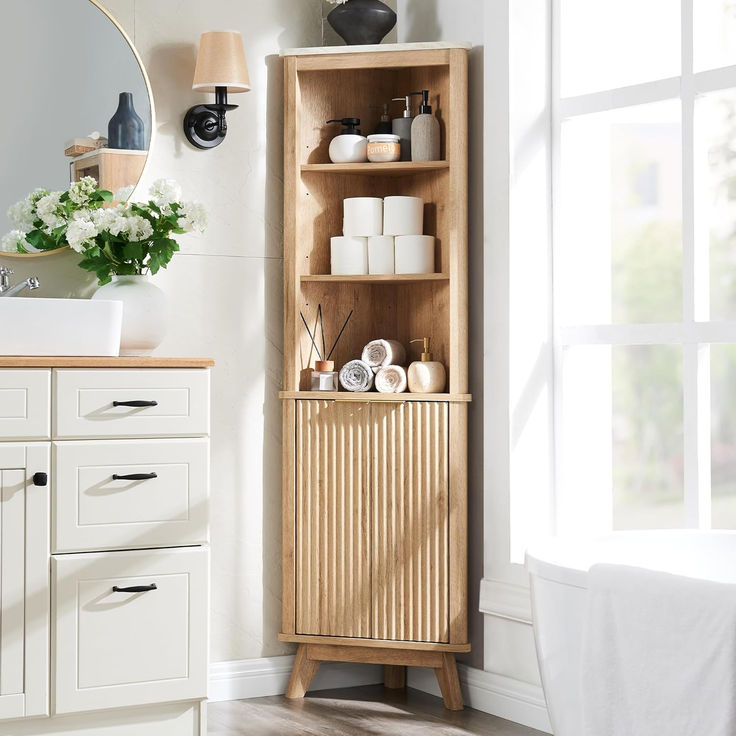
(362,21)
(125,129)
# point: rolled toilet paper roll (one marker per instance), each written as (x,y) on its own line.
(403,216)
(348,255)
(381,254)
(362,216)
(414,254)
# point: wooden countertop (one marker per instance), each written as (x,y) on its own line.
(63,361)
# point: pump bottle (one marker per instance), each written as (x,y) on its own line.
(425,132)
(426,376)
(350,147)
(402,127)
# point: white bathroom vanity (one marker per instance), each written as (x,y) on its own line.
(104,546)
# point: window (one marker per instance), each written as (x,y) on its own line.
(644,249)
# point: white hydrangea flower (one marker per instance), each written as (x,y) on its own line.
(123,194)
(164,192)
(21,214)
(193,217)
(80,191)
(111,220)
(9,242)
(138,228)
(79,233)
(47,209)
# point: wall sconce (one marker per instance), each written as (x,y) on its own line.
(221,68)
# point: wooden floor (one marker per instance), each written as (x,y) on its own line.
(351,711)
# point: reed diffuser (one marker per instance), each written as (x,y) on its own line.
(324,375)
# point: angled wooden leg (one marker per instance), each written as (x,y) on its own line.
(449,682)
(302,673)
(394,676)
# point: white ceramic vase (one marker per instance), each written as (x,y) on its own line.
(145,312)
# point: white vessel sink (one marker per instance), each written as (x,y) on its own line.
(59,326)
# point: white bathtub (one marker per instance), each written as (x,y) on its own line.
(558,571)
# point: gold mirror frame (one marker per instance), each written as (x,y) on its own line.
(149,89)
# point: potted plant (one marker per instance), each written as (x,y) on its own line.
(125,243)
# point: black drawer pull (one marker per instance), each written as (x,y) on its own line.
(40,479)
(135,476)
(136,403)
(135,588)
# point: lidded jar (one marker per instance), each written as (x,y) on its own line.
(384,147)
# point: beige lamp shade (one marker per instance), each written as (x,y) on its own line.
(221,63)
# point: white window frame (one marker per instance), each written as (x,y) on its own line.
(696,332)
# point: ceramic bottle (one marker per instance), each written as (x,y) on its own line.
(125,129)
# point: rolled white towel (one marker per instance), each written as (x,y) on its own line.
(379,353)
(356,376)
(391,379)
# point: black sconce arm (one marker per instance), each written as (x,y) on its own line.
(205,126)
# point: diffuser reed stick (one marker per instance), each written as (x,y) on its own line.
(340,335)
(311,337)
(311,347)
(322,328)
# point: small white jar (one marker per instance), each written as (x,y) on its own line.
(383,148)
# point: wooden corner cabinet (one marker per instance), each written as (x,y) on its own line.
(113,168)
(375,485)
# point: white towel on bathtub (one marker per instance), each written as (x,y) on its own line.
(659,655)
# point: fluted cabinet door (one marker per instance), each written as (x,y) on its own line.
(333,577)
(409,540)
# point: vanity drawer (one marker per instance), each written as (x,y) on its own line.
(115,648)
(25,408)
(150,403)
(92,510)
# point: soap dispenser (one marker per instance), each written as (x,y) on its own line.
(425,132)
(385,125)
(402,127)
(350,147)
(426,376)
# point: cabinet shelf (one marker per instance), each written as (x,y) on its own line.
(394,168)
(374,278)
(368,396)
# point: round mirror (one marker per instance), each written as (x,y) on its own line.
(69,68)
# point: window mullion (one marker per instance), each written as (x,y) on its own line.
(695,304)
(696,435)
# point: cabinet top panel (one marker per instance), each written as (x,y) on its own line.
(373,48)
(33,361)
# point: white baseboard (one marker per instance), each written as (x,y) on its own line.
(491,693)
(255,678)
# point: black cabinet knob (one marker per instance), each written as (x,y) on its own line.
(40,479)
